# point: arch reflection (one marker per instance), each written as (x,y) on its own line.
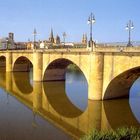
(119,114)
(55,92)
(3,79)
(134,99)
(23,82)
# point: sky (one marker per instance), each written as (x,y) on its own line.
(70,16)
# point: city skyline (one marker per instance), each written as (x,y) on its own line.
(70,17)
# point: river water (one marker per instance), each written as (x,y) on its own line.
(60,109)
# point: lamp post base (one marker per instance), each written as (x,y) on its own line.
(129,44)
(91,45)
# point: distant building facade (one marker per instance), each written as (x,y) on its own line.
(52,42)
(7,42)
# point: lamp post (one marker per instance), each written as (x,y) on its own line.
(27,47)
(7,97)
(34,123)
(64,37)
(91,20)
(7,44)
(129,27)
(34,34)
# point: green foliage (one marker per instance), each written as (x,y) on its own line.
(73,67)
(123,133)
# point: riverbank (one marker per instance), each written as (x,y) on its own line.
(123,133)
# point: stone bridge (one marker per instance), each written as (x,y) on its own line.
(109,71)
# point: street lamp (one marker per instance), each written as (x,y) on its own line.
(64,37)
(129,27)
(34,123)
(34,34)
(7,43)
(91,20)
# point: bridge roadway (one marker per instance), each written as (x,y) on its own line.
(109,71)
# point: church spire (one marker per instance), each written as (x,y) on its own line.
(51,38)
(84,39)
(51,35)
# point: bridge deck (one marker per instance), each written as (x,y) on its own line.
(85,50)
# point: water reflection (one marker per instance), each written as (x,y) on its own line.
(135,99)
(51,101)
(58,99)
(76,89)
(23,82)
(118,113)
(2,79)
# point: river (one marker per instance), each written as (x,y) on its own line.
(59,109)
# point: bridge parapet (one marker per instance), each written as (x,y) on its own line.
(116,49)
(98,48)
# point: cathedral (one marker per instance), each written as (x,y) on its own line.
(51,38)
(54,40)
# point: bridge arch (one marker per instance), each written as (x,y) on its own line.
(18,56)
(56,69)
(21,66)
(2,63)
(119,86)
(22,63)
(2,56)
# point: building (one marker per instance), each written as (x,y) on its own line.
(7,42)
(57,40)
(21,45)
